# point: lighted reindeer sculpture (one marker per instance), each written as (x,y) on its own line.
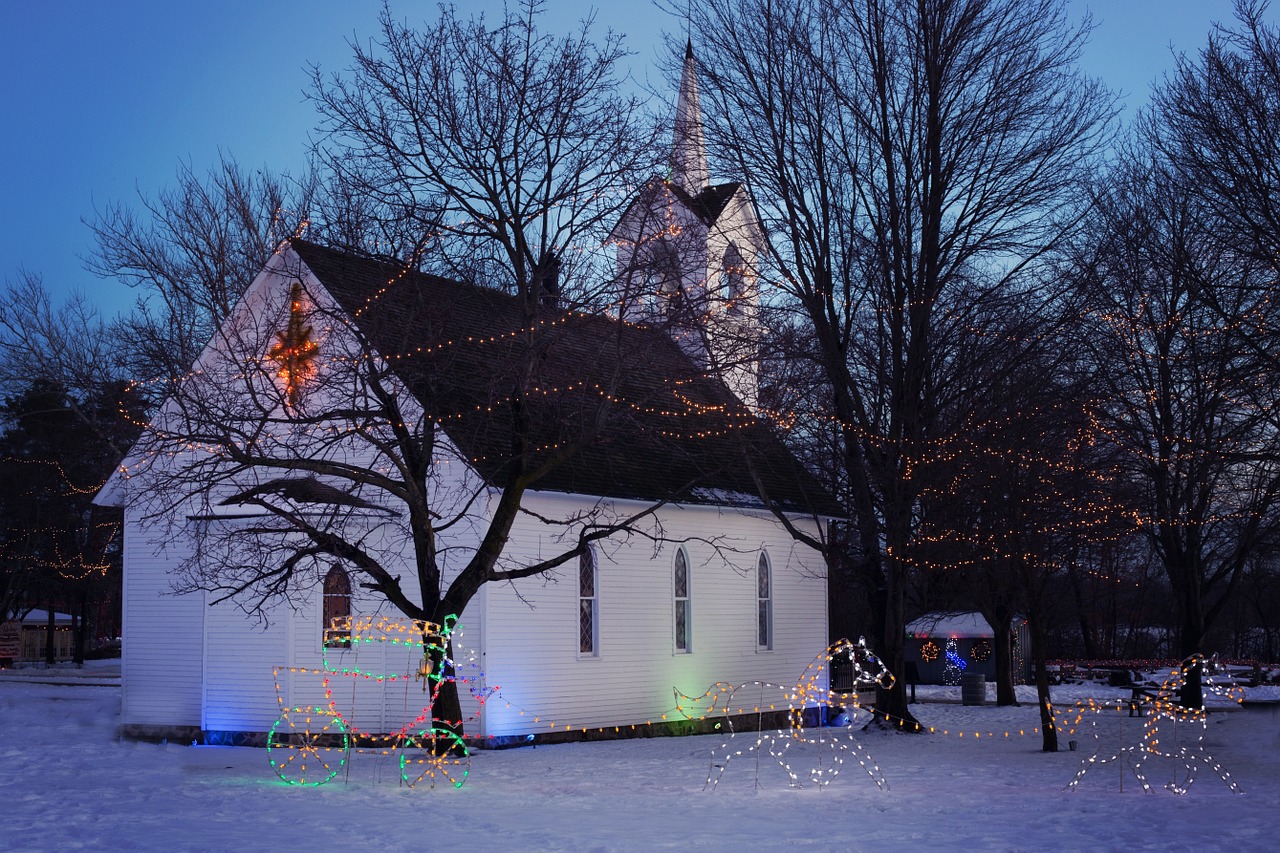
(825,749)
(1169,730)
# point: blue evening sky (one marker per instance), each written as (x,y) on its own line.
(100,100)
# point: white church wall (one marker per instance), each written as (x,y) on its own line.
(161,658)
(531,639)
(192,665)
(239,651)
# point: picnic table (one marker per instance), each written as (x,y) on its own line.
(1140,694)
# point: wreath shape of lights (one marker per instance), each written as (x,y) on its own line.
(981,650)
(929,652)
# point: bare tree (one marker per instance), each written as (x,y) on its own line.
(191,250)
(1184,402)
(512,151)
(1216,122)
(1013,491)
(68,345)
(66,418)
(1218,117)
(907,158)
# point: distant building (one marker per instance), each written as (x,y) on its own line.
(25,641)
(927,639)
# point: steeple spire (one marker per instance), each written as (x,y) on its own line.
(689,150)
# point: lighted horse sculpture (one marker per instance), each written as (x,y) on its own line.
(1163,720)
(811,693)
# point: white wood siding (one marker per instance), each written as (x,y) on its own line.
(241,655)
(531,641)
(239,694)
(162,636)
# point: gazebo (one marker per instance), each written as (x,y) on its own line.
(930,638)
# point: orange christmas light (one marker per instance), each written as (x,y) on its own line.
(294,351)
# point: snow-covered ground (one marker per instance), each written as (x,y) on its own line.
(68,783)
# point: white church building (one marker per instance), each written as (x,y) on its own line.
(717,589)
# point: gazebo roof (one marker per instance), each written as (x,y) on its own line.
(958,626)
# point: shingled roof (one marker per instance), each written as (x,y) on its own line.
(710,203)
(646,423)
(706,205)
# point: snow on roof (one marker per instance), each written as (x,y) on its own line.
(727,497)
(956,625)
(41,617)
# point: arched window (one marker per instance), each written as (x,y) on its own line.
(683,608)
(733,277)
(588,605)
(662,289)
(337,605)
(764,603)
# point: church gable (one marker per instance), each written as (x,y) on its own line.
(282,362)
(687,256)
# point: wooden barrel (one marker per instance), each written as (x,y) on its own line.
(973,689)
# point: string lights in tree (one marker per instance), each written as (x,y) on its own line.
(1019,661)
(294,352)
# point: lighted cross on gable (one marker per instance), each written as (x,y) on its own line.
(294,351)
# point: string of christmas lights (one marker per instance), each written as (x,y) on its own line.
(294,352)
(318,740)
(1162,715)
(809,693)
(309,745)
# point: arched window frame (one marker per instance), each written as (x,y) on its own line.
(336,604)
(733,279)
(764,602)
(682,602)
(662,290)
(588,605)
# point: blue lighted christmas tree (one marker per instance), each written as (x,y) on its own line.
(955,664)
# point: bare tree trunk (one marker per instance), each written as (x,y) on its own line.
(446,708)
(1191,634)
(892,703)
(1048,731)
(50,654)
(81,627)
(1005,694)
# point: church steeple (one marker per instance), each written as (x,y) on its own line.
(687,255)
(688,149)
